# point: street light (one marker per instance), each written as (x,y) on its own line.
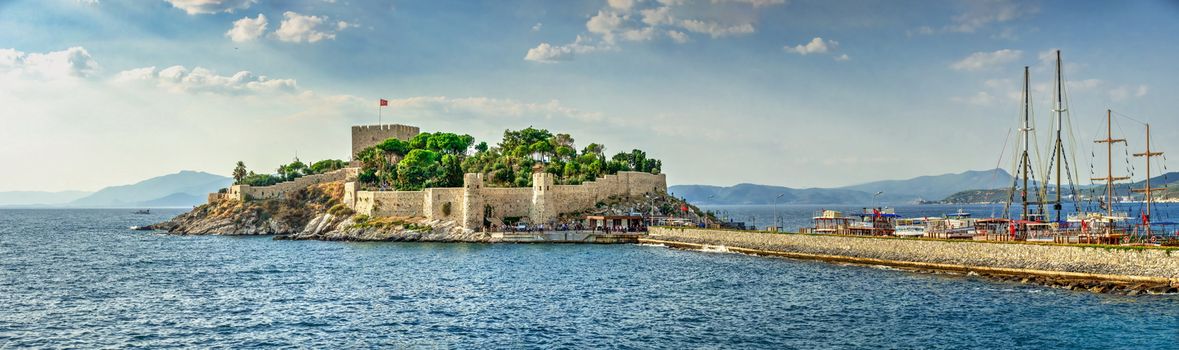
(874,198)
(777,218)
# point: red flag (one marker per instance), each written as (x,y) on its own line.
(684,207)
(384,102)
(1145,219)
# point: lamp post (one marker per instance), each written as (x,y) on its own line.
(777,218)
(874,198)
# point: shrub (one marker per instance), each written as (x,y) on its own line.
(340,210)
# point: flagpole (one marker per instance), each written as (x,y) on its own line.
(379,108)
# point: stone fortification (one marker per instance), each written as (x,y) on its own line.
(365,136)
(279,190)
(1158,264)
(473,205)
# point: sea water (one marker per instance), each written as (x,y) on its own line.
(81,279)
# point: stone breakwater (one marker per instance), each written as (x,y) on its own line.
(1099,269)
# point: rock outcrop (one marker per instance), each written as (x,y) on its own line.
(313,213)
(328,227)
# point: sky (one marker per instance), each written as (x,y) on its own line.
(795,93)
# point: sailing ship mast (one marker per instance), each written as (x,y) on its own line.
(1146,190)
(1025,165)
(1109,178)
(1058,153)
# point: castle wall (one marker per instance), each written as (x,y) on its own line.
(436,200)
(390,203)
(541,203)
(365,136)
(508,202)
(282,189)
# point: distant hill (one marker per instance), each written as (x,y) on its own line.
(895,191)
(183,189)
(1168,180)
(936,187)
(765,194)
(762,194)
(39,198)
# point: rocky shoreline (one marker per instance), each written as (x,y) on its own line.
(313,213)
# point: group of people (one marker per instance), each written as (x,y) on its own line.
(621,228)
(577,226)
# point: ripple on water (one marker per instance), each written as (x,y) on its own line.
(80,279)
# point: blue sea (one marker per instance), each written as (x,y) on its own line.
(80,279)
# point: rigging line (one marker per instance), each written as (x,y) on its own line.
(1129,117)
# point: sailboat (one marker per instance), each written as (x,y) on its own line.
(1110,227)
(1023,183)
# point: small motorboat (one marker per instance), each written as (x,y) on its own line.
(142,228)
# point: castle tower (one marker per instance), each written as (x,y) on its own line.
(542,210)
(365,136)
(473,214)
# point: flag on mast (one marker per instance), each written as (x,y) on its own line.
(380,106)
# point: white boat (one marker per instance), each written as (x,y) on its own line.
(910,227)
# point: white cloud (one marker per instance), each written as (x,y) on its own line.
(298,28)
(536,27)
(486,107)
(194,7)
(714,29)
(547,53)
(982,13)
(636,21)
(341,25)
(678,36)
(643,34)
(88,2)
(815,46)
(1124,92)
(621,4)
(1081,85)
(71,63)
(982,98)
(198,80)
(247,28)
(604,24)
(755,3)
(982,60)
(843,58)
(657,16)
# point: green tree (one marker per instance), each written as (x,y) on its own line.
(394,146)
(327,165)
(419,169)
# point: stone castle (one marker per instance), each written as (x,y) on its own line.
(473,205)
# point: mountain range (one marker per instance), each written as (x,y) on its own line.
(182,189)
(1166,181)
(912,190)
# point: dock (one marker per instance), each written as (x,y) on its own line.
(593,237)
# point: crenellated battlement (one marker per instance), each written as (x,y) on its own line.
(472,205)
(364,136)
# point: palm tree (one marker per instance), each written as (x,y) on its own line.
(239,172)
